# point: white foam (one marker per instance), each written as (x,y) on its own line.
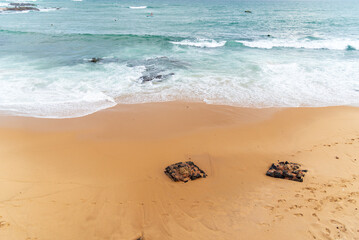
(269,84)
(64,92)
(265,81)
(139,7)
(14,12)
(334,44)
(61,109)
(201,43)
(47,9)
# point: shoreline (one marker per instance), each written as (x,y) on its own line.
(101,176)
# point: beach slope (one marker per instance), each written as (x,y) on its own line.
(101,176)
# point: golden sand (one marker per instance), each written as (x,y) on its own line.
(101,176)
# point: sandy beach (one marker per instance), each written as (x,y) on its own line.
(101,176)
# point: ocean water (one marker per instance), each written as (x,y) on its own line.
(283,54)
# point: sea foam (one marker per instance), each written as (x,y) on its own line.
(335,44)
(139,7)
(201,43)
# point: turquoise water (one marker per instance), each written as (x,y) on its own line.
(284,53)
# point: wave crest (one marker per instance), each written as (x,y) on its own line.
(139,7)
(335,44)
(201,43)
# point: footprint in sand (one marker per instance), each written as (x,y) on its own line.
(318,207)
(339,208)
(271,208)
(4,224)
(326,234)
(295,206)
(354,194)
(353,201)
(334,199)
(312,235)
(339,226)
(264,224)
(316,216)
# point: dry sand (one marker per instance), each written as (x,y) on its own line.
(101,176)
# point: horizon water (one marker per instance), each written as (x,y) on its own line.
(283,54)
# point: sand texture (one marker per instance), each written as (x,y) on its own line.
(101,176)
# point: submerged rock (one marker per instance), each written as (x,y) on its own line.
(350,48)
(22,4)
(21,9)
(159,77)
(158,69)
(95,60)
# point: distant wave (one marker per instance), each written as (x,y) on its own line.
(202,43)
(27,11)
(336,44)
(129,37)
(14,12)
(48,9)
(139,7)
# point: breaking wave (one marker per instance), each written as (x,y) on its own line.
(139,7)
(336,44)
(201,43)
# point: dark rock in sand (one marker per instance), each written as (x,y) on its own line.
(22,4)
(184,171)
(21,9)
(286,170)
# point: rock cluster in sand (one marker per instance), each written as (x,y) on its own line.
(286,170)
(184,171)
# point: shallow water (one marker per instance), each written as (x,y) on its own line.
(284,53)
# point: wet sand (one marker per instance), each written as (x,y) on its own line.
(101,176)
